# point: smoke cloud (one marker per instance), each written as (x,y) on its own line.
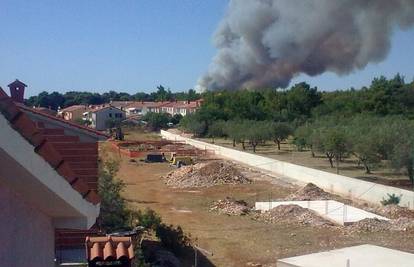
(266,43)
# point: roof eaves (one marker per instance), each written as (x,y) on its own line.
(26,127)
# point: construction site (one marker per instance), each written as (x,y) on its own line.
(243,216)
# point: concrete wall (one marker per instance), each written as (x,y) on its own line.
(27,234)
(342,185)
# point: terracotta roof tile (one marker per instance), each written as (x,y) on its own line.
(75,125)
(45,147)
(109,248)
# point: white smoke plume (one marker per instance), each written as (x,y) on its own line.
(266,43)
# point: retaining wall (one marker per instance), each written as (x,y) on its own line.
(338,184)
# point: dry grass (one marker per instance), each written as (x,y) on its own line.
(138,133)
(234,241)
(382,174)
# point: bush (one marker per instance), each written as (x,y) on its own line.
(392,199)
(114,214)
(172,238)
(149,219)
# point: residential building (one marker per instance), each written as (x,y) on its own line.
(48,180)
(100,117)
(73,113)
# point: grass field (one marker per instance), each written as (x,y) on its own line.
(381,174)
(235,241)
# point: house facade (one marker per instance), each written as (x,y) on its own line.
(48,179)
(73,113)
(99,118)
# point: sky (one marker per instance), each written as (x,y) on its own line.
(134,45)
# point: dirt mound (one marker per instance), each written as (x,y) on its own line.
(292,214)
(230,207)
(310,192)
(396,212)
(377,225)
(205,175)
(370,225)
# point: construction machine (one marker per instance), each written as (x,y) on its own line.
(179,161)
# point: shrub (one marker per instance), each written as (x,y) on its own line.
(148,219)
(392,199)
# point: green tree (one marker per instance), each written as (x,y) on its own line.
(114,214)
(257,133)
(280,131)
(216,129)
(403,153)
(157,121)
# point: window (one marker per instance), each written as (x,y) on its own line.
(110,115)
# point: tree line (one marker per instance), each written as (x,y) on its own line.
(55,100)
(373,125)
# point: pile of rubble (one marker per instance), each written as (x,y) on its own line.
(395,212)
(309,192)
(292,214)
(205,175)
(376,225)
(230,207)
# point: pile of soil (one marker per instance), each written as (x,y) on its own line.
(369,225)
(310,192)
(205,175)
(230,207)
(395,212)
(292,214)
(377,225)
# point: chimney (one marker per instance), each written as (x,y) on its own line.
(17,91)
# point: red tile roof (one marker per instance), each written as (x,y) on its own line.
(74,108)
(67,238)
(72,124)
(109,248)
(45,146)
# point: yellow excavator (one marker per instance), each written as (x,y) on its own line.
(179,161)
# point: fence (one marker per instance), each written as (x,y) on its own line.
(346,186)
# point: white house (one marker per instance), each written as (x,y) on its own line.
(100,117)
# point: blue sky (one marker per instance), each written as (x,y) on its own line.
(133,45)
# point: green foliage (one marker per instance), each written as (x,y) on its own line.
(55,99)
(114,214)
(157,121)
(172,238)
(256,132)
(280,131)
(216,129)
(194,124)
(148,219)
(392,199)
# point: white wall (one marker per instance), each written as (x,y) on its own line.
(342,185)
(27,234)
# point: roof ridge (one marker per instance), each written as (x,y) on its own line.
(63,121)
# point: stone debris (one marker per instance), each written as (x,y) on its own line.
(377,225)
(309,192)
(230,207)
(292,214)
(395,212)
(205,175)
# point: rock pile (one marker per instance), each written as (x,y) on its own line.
(376,225)
(310,192)
(230,207)
(205,175)
(396,212)
(292,214)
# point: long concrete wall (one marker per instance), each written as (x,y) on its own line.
(338,184)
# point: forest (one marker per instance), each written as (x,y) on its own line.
(373,124)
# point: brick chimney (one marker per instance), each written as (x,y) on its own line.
(17,91)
